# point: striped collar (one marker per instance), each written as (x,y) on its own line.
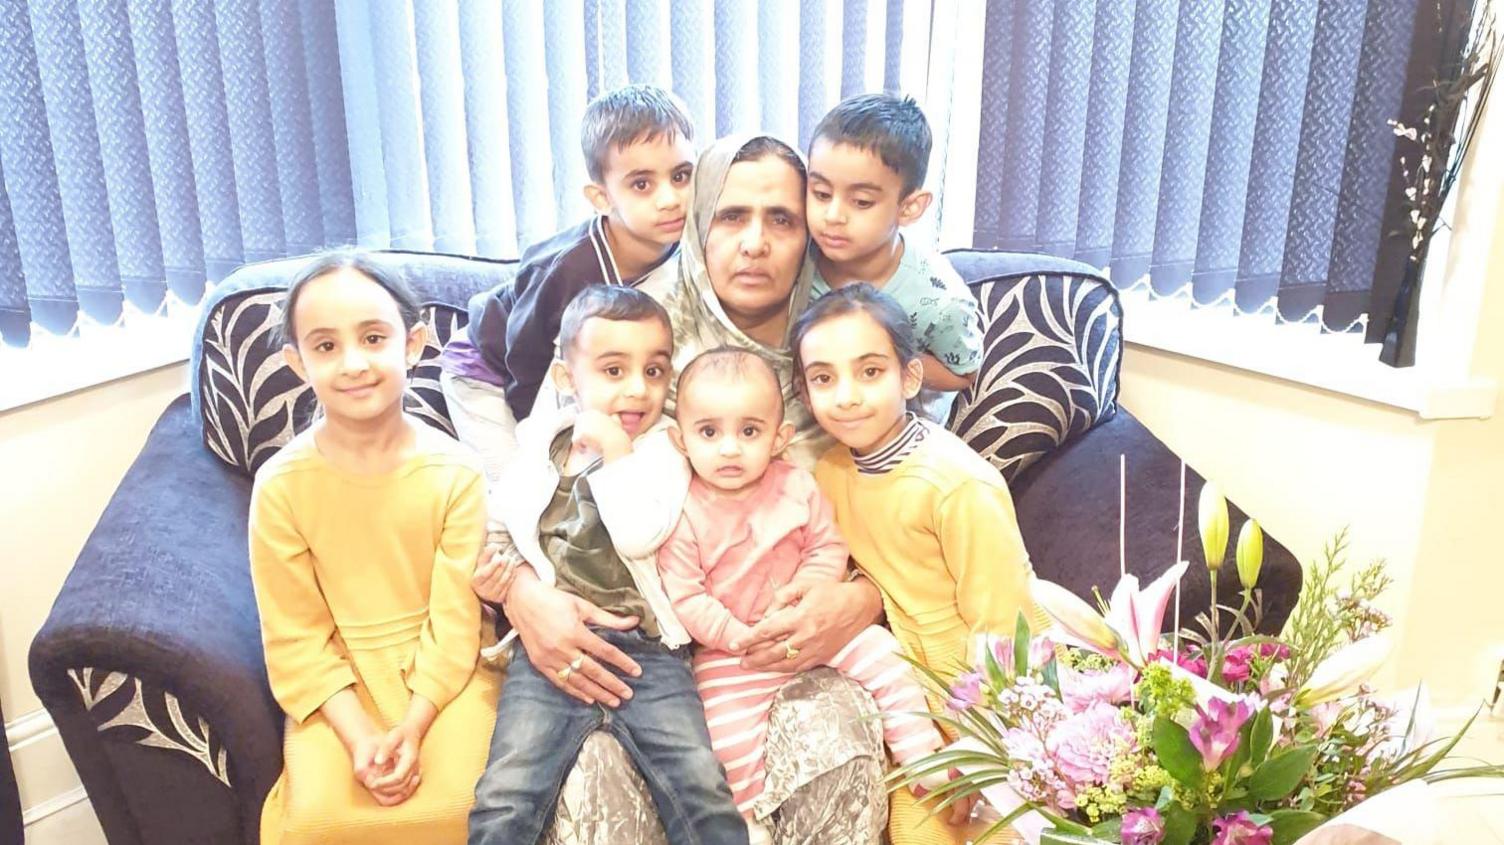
(603,255)
(886,458)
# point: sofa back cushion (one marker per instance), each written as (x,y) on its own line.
(1052,350)
(250,403)
(1049,370)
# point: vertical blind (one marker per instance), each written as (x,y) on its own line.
(148,145)
(1239,150)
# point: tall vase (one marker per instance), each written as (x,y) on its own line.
(1399,335)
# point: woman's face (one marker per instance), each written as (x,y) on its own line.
(756,240)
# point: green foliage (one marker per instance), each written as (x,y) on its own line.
(1172,745)
(1161,693)
(1290,825)
(1278,776)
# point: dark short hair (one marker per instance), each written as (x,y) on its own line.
(629,115)
(322,264)
(891,126)
(766,146)
(729,362)
(608,302)
(860,298)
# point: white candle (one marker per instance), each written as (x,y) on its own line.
(1179,555)
(1122,515)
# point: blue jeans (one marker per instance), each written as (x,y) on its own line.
(539,731)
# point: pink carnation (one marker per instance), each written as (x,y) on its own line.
(1195,665)
(1085,744)
(1083,689)
(1237,666)
(1277,651)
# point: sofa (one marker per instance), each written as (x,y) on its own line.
(150,662)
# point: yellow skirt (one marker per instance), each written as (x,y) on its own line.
(318,800)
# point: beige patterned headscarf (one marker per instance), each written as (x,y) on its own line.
(700,322)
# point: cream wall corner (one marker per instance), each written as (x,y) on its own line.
(1426,496)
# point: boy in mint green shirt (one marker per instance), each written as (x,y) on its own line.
(867,163)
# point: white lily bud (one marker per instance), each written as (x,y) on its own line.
(1212,522)
(1250,554)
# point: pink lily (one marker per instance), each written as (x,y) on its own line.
(1214,731)
(1076,622)
(1129,631)
(1137,615)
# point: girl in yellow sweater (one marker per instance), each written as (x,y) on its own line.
(926,518)
(364,533)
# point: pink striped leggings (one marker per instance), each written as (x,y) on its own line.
(737,702)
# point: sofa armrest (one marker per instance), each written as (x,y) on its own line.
(1067,507)
(150,661)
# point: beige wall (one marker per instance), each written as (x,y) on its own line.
(1456,611)
(1424,495)
(70,453)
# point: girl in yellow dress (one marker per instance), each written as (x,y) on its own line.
(364,533)
(926,518)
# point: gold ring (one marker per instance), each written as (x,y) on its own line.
(789,652)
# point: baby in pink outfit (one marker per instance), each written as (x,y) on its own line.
(750,525)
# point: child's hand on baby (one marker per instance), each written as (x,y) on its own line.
(493,578)
(601,434)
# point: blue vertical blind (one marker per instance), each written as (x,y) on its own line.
(1238,149)
(148,145)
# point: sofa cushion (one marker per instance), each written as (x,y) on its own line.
(1067,505)
(251,403)
(1052,349)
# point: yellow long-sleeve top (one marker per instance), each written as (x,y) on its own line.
(938,536)
(364,581)
(934,528)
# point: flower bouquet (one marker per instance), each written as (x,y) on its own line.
(1102,730)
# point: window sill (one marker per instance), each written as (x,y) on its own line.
(54,365)
(1301,353)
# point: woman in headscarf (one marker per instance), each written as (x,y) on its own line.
(743,274)
(742,280)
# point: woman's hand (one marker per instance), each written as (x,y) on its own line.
(551,624)
(816,620)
